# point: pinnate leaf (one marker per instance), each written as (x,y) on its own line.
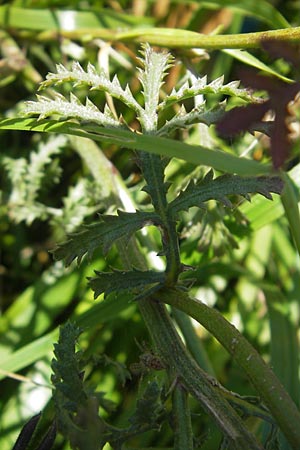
(116,281)
(45,107)
(155,66)
(217,189)
(202,87)
(92,78)
(103,234)
(197,115)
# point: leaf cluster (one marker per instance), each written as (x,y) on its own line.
(164,213)
(77,406)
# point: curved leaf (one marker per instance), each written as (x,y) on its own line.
(195,154)
(103,234)
(219,188)
(262,10)
(116,281)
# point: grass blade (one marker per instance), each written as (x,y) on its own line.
(219,160)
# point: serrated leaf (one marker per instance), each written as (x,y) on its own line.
(155,66)
(149,406)
(103,234)
(201,87)
(66,372)
(134,280)
(217,189)
(198,115)
(45,107)
(92,78)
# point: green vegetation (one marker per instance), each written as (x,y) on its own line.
(150,228)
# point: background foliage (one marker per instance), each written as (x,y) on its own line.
(247,256)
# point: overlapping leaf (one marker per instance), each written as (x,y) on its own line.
(103,234)
(219,188)
(116,281)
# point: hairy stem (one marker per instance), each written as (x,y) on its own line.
(171,349)
(173,38)
(193,343)
(264,380)
(189,39)
(181,365)
(168,37)
(152,167)
(183,434)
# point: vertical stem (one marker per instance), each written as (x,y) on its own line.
(152,168)
(183,434)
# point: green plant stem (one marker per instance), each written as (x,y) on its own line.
(152,168)
(172,351)
(192,341)
(180,363)
(183,434)
(166,37)
(173,38)
(102,169)
(262,377)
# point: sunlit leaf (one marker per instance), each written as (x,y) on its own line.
(197,193)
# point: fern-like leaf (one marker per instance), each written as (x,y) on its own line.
(27,178)
(94,79)
(155,66)
(133,281)
(76,406)
(103,234)
(45,107)
(219,188)
(66,369)
(201,87)
(199,114)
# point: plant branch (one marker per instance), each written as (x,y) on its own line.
(264,380)
(177,38)
(168,37)
(183,434)
(174,354)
